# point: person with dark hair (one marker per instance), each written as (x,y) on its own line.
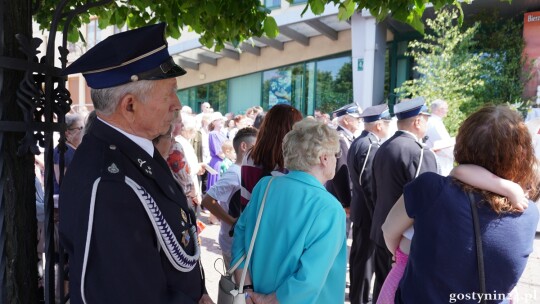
(266,157)
(442,262)
(258,120)
(90,118)
(218,199)
(124,221)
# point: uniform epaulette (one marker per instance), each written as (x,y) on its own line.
(113,168)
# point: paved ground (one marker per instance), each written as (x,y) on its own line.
(528,287)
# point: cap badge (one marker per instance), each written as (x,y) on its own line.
(113,168)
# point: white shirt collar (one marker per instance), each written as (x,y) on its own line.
(405,131)
(144,143)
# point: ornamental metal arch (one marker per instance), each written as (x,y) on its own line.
(44,101)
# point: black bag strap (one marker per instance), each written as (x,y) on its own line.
(479,251)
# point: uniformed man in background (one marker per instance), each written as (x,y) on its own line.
(360,158)
(124,221)
(340,186)
(398,161)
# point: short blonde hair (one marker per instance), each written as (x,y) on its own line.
(227,146)
(306,142)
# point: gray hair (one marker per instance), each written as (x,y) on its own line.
(437,103)
(73,118)
(306,142)
(188,122)
(106,100)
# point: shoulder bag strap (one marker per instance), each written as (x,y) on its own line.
(253,238)
(479,251)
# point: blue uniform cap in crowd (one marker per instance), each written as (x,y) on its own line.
(350,109)
(411,107)
(139,54)
(375,113)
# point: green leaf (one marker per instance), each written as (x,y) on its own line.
(270,27)
(346,9)
(317,6)
(73,34)
(415,21)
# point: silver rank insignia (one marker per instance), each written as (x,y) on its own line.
(113,168)
(185,238)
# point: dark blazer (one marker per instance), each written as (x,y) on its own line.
(125,264)
(395,164)
(362,204)
(340,186)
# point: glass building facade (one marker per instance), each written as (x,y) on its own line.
(324,84)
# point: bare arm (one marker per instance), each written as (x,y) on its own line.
(481,178)
(395,224)
(212,205)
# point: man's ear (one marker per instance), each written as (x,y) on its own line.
(417,122)
(243,146)
(127,107)
(379,126)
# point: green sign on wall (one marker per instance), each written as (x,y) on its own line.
(360,64)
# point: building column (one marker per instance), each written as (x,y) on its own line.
(368,54)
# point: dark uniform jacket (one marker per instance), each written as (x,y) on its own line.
(362,204)
(340,186)
(126,264)
(395,164)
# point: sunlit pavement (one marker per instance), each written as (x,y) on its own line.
(528,287)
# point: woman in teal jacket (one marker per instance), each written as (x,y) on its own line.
(300,251)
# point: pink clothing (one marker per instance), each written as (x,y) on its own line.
(388,290)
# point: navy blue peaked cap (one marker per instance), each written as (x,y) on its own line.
(375,113)
(350,109)
(411,107)
(139,54)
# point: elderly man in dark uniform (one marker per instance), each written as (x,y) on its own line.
(398,161)
(124,221)
(340,186)
(359,160)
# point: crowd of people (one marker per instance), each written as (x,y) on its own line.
(136,183)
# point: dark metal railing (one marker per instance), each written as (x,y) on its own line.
(42,97)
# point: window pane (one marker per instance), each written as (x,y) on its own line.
(334,83)
(272,3)
(91,33)
(277,87)
(299,1)
(217,96)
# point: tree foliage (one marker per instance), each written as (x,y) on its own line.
(448,66)
(468,66)
(220,21)
(332,93)
(502,42)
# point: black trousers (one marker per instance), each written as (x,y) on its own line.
(361,265)
(383,264)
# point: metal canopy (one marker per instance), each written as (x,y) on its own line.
(190,54)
